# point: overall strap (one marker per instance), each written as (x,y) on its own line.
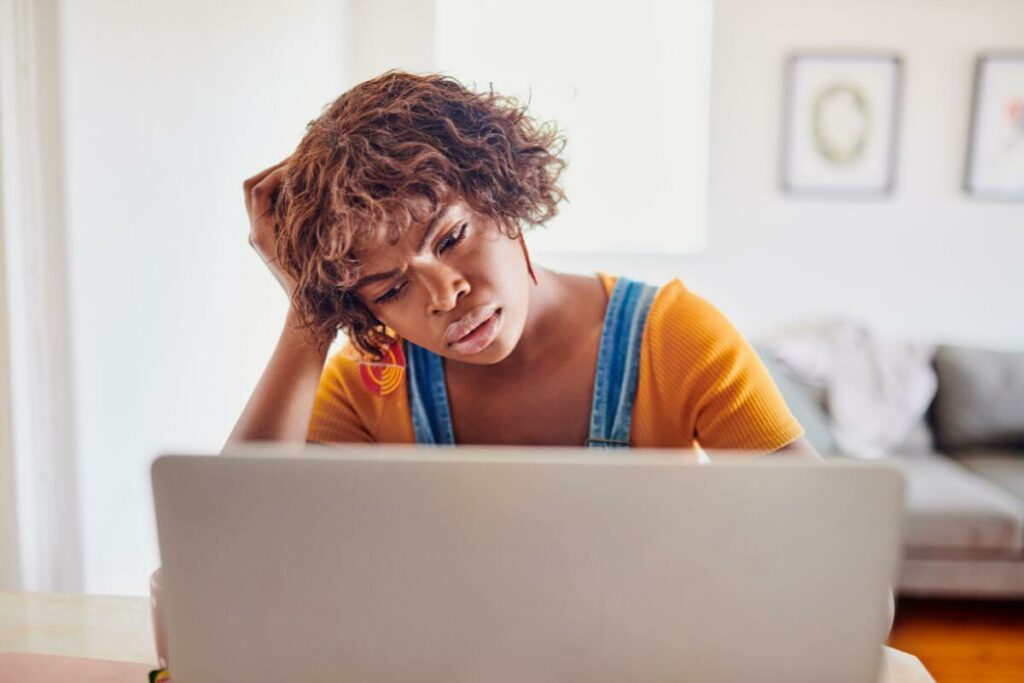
(618,363)
(428,398)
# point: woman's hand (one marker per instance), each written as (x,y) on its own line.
(281,405)
(260,193)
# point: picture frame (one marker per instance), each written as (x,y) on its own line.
(994,166)
(840,121)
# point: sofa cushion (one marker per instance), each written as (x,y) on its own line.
(952,512)
(980,399)
(1004,468)
(943,577)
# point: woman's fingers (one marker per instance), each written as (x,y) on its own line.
(255,180)
(263,193)
(260,192)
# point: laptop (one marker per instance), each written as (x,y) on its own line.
(511,564)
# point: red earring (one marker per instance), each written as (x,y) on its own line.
(529,266)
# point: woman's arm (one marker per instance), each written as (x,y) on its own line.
(282,402)
(800,447)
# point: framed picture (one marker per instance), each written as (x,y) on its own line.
(995,149)
(839,123)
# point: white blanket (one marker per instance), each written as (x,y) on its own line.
(876,390)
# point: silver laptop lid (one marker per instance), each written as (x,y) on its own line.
(401,563)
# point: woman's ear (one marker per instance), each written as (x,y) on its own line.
(529,266)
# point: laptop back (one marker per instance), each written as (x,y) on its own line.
(467,564)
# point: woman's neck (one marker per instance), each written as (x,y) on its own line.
(550,301)
(560,307)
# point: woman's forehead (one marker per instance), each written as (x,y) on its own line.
(419,214)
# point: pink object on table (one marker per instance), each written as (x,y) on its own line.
(34,668)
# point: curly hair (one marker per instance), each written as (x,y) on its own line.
(364,167)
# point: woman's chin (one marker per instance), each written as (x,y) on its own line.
(495,352)
(488,356)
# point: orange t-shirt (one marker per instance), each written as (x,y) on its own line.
(699,381)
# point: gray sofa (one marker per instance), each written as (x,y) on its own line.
(964,467)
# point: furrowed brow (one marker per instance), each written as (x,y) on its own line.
(377,277)
(430,228)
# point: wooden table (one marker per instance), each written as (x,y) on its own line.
(120,628)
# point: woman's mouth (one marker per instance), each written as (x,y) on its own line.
(481,336)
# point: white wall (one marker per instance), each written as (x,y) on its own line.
(168,108)
(389,34)
(927,263)
(628,86)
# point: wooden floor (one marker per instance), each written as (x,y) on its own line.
(963,640)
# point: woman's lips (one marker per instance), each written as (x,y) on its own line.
(481,336)
(467,323)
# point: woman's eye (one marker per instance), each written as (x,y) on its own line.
(390,295)
(453,238)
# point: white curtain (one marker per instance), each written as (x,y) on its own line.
(39,489)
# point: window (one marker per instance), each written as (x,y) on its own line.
(628,85)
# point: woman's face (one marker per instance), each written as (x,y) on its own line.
(467,271)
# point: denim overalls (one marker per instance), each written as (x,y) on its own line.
(615,381)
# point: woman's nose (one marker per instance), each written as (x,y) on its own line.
(446,287)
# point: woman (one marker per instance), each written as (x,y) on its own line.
(398,220)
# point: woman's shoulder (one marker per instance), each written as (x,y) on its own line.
(684,332)
(683,321)
(701,363)
(674,305)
